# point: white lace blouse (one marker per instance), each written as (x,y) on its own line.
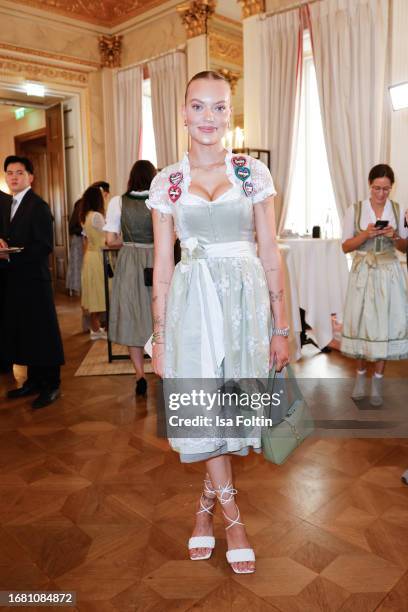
(260,179)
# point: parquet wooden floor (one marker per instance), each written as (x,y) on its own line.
(92,501)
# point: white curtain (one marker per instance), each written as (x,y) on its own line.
(168,75)
(350,41)
(129,117)
(281,66)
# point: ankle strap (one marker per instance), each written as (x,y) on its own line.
(208,487)
(227,490)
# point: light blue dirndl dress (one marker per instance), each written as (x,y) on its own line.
(375,324)
(218,318)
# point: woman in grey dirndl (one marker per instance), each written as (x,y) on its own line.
(375,326)
(129,226)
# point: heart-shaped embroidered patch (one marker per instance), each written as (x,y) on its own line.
(174,193)
(242,172)
(176,178)
(237,160)
(248,188)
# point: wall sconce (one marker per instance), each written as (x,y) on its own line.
(399,96)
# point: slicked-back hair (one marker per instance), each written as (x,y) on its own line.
(210,75)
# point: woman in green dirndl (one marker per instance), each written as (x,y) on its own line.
(375,326)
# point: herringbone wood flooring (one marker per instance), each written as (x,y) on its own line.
(92,501)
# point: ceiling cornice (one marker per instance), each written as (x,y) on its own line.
(100,13)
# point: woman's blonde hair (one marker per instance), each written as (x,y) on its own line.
(210,75)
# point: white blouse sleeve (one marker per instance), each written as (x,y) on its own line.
(402,230)
(348,224)
(98,221)
(262,181)
(158,194)
(113,216)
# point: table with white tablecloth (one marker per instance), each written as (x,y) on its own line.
(320,282)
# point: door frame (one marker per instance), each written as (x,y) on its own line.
(27,136)
(83,131)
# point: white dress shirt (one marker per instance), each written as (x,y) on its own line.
(17,201)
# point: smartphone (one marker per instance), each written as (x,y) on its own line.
(381,224)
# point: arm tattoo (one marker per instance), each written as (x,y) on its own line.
(157,320)
(276,296)
(271,270)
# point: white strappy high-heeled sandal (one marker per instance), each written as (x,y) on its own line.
(236,555)
(204,541)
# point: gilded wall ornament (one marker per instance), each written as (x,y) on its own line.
(231,76)
(226,48)
(195,16)
(103,12)
(57,57)
(35,70)
(110,48)
(252,7)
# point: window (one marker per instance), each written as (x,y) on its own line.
(311,197)
(148,145)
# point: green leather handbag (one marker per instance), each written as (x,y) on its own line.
(279,441)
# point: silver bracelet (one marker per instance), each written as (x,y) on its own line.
(281,331)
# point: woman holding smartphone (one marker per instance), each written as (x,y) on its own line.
(375,326)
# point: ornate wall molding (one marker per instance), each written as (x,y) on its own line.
(100,12)
(57,57)
(38,71)
(226,48)
(252,7)
(232,77)
(110,48)
(195,16)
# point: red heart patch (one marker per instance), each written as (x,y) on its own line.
(174,193)
(176,178)
(238,161)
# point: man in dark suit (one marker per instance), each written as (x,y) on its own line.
(5,203)
(30,332)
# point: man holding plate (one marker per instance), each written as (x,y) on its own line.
(5,203)
(29,331)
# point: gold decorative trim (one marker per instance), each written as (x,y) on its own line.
(54,56)
(110,48)
(228,21)
(232,77)
(252,7)
(226,48)
(108,13)
(35,70)
(195,16)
